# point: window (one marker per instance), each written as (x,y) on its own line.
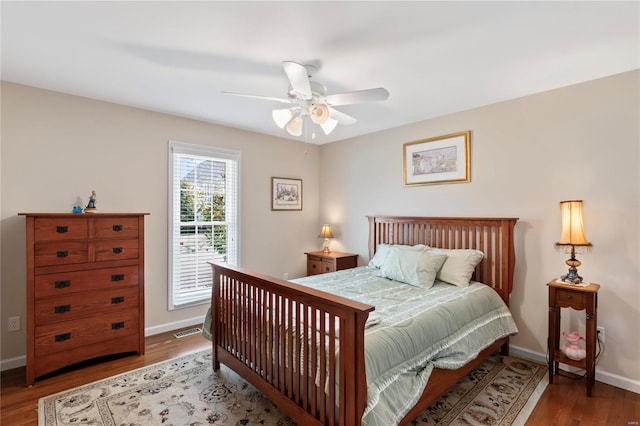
(203,218)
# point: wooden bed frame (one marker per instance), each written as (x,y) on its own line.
(255,318)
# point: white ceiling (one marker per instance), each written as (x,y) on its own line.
(434,58)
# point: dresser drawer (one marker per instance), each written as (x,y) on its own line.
(573,299)
(52,310)
(126,227)
(66,283)
(60,253)
(116,249)
(68,335)
(57,229)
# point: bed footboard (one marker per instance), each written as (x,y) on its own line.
(302,348)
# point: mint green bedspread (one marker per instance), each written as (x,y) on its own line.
(412,331)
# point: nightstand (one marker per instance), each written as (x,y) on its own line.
(319,262)
(579,298)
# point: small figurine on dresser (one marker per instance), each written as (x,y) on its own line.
(91,206)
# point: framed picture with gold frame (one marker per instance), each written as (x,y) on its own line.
(443,159)
(286,193)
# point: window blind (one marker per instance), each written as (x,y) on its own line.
(203,219)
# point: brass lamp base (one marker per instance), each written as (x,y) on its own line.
(326,249)
(573,263)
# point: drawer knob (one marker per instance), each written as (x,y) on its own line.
(118,277)
(62,229)
(119,299)
(327,269)
(117,228)
(569,297)
(313,266)
(62,253)
(62,337)
(61,309)
(62,284)
(117,250)
(117,325)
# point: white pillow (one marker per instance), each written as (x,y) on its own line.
(459,266)
(383,249)
(414,267)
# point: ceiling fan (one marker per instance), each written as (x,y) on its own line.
(310,99)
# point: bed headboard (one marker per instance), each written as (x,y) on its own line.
(492,236)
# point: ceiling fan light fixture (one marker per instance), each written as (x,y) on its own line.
(294,127)
(282,116)
(329,125)
(319,113)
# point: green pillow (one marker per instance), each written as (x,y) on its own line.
(415,267)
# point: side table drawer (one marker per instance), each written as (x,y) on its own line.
(570,298)
(314,266)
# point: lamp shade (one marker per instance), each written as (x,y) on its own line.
(572,224)
(282,116)
(294,128)
(325,232)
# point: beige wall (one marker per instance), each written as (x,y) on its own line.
(579,142)
(56,148)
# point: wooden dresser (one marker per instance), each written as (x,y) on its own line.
(85,288)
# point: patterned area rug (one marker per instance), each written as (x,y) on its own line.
(185,391)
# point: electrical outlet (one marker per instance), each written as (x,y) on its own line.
(601,334)
(285,276)
(13,324)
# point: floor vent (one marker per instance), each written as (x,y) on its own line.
(185,333)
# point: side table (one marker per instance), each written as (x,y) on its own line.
(566,295)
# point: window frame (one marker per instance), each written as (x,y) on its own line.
(214,153)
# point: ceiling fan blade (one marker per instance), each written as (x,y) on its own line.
(359,96)
(341,117)
(298,77)
(284,101)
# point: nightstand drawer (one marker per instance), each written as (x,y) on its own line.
(329,266)
(570,298)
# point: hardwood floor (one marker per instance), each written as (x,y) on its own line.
(563,403)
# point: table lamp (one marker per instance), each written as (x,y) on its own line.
(572,235)
(326,233)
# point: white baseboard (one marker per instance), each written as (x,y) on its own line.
(21,361)
(150,331)
(11,363)
(601,376)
